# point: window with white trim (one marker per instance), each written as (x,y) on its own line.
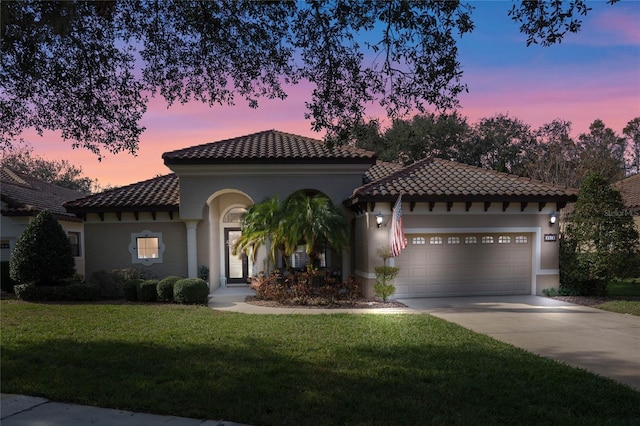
(487,239)
(418,241)
(470,240)
(435,240)
(453,240)
(74,239)
(504,239)
(146,247)
(521,239)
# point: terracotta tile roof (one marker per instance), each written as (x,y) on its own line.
(26,195)
(271,147)
(441,180)
(158,194)
(630,190)
(380,170)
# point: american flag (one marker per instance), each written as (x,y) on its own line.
(397,240)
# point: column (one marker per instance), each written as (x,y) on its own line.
(192,248)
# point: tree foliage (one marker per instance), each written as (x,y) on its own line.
(42,255)
(503,143)
(61,173)
(87,68)
(600,241)
(632,133)
(308,219)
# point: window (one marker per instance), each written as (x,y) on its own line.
(234,215)
(146,248)
(418,241)
(487,239)
(504,239)
(470,240)
(74,239)
(453,240)
(521,239)
(435,240)
(5,244)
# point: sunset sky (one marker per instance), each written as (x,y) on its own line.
(594,74)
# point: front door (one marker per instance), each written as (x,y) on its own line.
(237,267)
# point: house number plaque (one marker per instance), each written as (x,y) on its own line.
(551,237)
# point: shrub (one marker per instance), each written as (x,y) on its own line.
(164,288)
(130,289)
(147,291)
(111,283)
(42,255)
(69,293)
(6,283)
(191,291)
(384,274)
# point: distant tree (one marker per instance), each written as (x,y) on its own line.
(555,157)
(601,151)
(424,135)
(61,173)
(632,133)
(87,68)
(42,254)
(499,143)
(600,241)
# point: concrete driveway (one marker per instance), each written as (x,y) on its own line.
(605,343)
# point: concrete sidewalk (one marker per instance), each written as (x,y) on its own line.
(19,410)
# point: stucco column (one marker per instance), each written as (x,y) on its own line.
(192,248)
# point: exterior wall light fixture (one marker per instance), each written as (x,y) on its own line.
(553,218)
(379,219)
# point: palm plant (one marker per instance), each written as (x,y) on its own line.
(260,225)
(312,220)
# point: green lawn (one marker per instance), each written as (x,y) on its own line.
(293,369)
(619,290)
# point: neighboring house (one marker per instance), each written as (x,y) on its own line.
(630,191)
(470,231)
(23,197)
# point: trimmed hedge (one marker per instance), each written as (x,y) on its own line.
(165,288)
(69,293)
(131,289)
(191,291)
(147,291)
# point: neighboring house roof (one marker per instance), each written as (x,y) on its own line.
(154,195)
(268,147)
(630,191)
(27,196)
(434,179)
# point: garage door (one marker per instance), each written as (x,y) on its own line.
(464,265)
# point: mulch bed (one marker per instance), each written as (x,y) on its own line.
(319,304)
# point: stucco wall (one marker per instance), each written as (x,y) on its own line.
(107,244)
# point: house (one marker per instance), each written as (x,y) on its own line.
(470,231)
(629,189)
(23,197)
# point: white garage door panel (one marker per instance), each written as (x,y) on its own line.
(456,268)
